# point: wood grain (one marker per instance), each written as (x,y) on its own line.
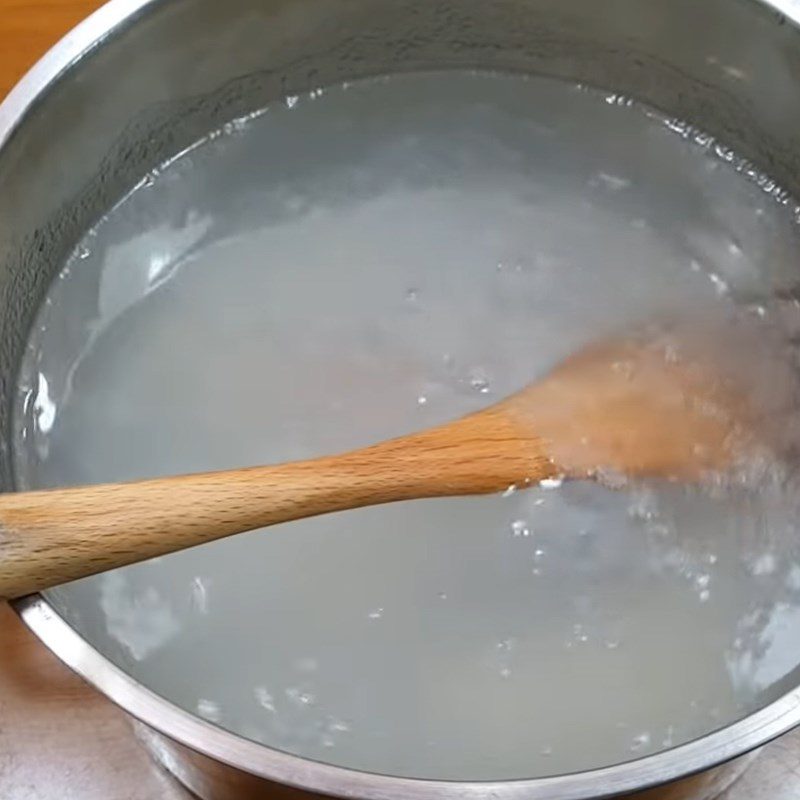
(59,739)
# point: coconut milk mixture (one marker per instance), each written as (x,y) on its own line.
(359,263)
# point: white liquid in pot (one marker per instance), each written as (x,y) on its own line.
(362,263)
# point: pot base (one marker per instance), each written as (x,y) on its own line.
(212,780)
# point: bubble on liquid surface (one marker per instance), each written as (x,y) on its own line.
(210,710)
(765,564)
(479,382)
(519,527)
(200,594)
(264,698)
(237,309)
(644,504)
(300,697)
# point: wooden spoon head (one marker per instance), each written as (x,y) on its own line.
(638,408)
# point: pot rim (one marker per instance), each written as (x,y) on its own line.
(160,714)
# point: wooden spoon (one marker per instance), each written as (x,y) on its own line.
(617,408)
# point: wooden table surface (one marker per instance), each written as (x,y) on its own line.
(59,739)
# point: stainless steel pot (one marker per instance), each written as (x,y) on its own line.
(142,79)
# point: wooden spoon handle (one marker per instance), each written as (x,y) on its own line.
(51,537)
